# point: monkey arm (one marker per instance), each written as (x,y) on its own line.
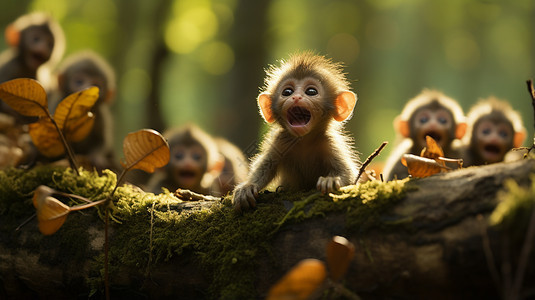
(263,170)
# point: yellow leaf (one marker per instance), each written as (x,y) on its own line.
(432,150)
(40,193)
(146,150)
(421,166)
(340,252)
(300,282)
(73,114)
(77,129)
(46,138)
(26,96)
(51,214)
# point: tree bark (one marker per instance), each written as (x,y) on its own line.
(436,252)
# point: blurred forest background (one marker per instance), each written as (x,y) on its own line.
(203,61)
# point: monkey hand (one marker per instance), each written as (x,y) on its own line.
(244,196)
(328,184)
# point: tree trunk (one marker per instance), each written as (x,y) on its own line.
(436,252)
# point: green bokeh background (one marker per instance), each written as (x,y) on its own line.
(203,61)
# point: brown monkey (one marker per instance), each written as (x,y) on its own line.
(494,128)
(306,100)
(430,113)
(80,71)
(34,40)
(234,169)
(194,162)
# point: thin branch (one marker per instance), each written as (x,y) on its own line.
(369,159)
(531,91)
(488,252)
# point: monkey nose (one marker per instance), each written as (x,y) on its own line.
(297,97)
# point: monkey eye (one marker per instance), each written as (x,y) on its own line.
(424,119)
(442,120)
(485,131)
(179,155)
(504,134)
(311,91)
(196,156)
(287,92)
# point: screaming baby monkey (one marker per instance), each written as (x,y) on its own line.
(433,114)
(194,162)
(494,129)
(306,101)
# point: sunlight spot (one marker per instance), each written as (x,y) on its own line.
(217,58)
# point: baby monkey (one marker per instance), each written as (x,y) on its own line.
(194,163)
(494,129)
(433,114)
(306,101)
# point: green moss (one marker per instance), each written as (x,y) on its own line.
(515,207)
(153,229)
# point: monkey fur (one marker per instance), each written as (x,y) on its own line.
(306,100)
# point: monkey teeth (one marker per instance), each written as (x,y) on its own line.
(298,116)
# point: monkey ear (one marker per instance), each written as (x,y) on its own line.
(264,102)
(12,36)
(460,130)
(343,105)
(518,139)
(402,127)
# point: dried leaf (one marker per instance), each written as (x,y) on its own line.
(73,114)
(46,138)
(26,96)
(40,193)
(340,252)
(146,150)
(51,214)
(421,166)
(77,129)
(432,150)
(300,282)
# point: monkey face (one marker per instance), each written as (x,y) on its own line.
(37,45)
(78,81)
(437,123)
(492,140)
(299,103)
(188,165)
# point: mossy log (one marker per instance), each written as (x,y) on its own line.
(432,242)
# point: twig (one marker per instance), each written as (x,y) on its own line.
(150,238)
(531,91)
(188,195)
(369,160)
(488,253)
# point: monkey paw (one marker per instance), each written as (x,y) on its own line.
(328,184)
(244,196)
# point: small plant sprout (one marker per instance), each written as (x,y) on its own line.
(145,150)
(72,120)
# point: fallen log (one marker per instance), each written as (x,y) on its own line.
(424,238)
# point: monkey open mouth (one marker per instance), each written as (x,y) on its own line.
(39,57)
(492,149)
(298,116)
(187,174)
